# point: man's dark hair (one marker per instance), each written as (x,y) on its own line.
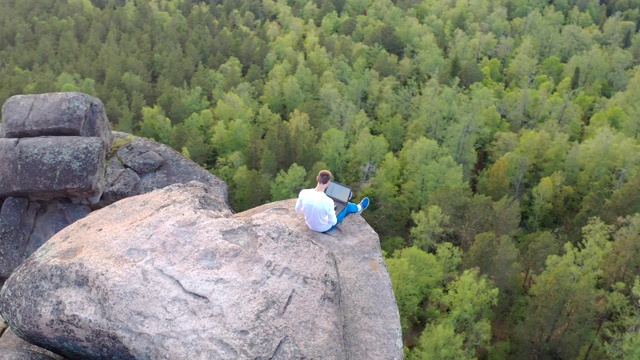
(324,176)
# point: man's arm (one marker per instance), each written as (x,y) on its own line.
(299,207)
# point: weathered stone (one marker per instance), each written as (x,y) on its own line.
(53,216)
(120,183)
(142,161)
(25,226)
(55,114)
(173,274)
(11,213)
(172,169)
(17,219)
(22,354)
(14,348)
(45,168)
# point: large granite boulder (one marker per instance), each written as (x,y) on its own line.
(53,145)
(173,274)
(55,114)
(47,168)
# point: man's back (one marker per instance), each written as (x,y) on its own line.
(318,209)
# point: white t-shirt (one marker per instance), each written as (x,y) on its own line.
(317,208)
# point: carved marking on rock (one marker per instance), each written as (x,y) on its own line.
(280,271)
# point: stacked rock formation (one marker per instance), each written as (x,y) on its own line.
(53,152)
(53,145)
(52,163)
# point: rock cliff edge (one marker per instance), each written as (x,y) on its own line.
(117,247)
(174,274)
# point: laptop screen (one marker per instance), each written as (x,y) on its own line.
(338,192)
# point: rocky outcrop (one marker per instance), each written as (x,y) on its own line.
(54,149)
(174,274)
(53,145)
(171,273)
(138,166)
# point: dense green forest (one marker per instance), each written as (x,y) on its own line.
(497,139)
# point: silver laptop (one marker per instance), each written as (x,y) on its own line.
(340,194)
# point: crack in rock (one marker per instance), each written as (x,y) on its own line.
(177,282)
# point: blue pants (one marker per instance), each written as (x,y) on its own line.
(349,209)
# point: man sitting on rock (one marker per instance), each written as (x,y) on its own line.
(318,208)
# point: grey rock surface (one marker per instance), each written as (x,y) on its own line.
(141,160)
(55,114)
(45,168)
(51,217)
(11,213)
(174,274)
(22,354)
(138,166)
(14,348)
(120,183)
(25,225)
(16,222)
